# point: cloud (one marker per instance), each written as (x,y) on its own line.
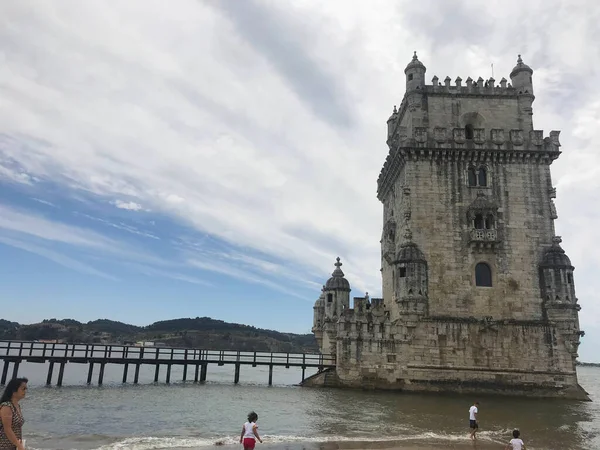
(43,202)
(58,258)
(152,271)
(23,223)
(229,270)
(131,206)
(264,126)
(14,176)
(119,226)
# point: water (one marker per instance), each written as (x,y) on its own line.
(203,416)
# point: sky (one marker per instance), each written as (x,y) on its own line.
(180,159)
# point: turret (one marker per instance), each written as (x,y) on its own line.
(410,279)
(319,311)
(415,74)
(391,123)
(337,293)
(558,292)
(521,79)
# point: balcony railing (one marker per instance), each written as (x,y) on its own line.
(478,235)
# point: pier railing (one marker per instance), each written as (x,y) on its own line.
(41,352)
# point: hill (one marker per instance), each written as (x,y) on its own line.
(201,332)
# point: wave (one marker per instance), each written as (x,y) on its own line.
(160,443)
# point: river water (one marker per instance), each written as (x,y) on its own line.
(210,415)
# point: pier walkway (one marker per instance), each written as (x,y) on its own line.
(16,352)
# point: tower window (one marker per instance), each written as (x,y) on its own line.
(478,223)
(402,272)
(483,275)
(472,176)
(329,298)
(469,131)
(570,278)
(489,222)
(482,177)
(410,77)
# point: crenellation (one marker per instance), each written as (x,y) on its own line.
(478,295)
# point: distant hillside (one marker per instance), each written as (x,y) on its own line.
(201,332)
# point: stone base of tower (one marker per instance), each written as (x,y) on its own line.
(460,381)
(506,357)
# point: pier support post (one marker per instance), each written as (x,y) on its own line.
(270,374)
(203,372)
(61,373)
(50,370)
(185,372)
(196,373)
(236,378)
(90,373)
(156,370)
(125,369)
(16,369)
(136,376)
(101,374)
(4,372)
(303,373)
(168,373)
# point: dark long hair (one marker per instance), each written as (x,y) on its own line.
(12,387)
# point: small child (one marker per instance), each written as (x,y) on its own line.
(516,443)
(250,432)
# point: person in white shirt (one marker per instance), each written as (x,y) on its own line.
(250,432)
(473,425)
(516,443)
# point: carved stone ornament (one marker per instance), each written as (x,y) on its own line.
(479,135)
(536,137)
(459,135)
(439,134)
(498,137)
(420,134)
(554,138)
(553,213)
(516,137)
(390,231)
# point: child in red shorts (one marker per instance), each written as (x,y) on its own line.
(250,432)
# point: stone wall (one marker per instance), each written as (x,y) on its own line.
(441,227)
(459,355)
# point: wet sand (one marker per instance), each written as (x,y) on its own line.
(403,445)
(467,444)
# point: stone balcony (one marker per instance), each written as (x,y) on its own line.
(484,239)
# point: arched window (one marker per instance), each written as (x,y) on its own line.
(478,223)
(483,275)
(410,77)
(469,131)
(482,177)
(472,176)
(489,222)
(329,298)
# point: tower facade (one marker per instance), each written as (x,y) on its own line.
(478,295)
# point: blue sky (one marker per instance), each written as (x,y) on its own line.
(213,158)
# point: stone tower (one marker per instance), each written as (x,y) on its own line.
(478,295)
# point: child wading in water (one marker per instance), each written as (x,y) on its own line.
(516,443)
(250,432)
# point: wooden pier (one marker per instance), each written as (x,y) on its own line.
(99,355)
